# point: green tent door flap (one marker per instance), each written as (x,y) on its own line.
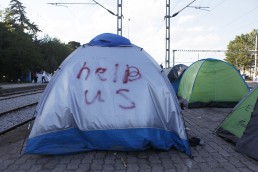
(211,83)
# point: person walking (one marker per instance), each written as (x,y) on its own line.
(43,77)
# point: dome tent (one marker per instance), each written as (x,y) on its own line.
(107,95)
(175,74)
(240,125)
(211,83)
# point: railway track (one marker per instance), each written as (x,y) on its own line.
(17,109)
(12,95)
(16,126)
(16,118)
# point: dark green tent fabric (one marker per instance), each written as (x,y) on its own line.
(211,83)
(241,125)
(248,143)
(235,124)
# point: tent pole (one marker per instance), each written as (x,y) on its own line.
(27,133)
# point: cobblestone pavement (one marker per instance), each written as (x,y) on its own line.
(215,155)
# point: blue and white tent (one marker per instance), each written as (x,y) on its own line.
(108,95)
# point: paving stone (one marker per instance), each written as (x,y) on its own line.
(20,161)
(15,171)
(12,167)
(42,160)
(180,167)
(220,169)
(219,157)
(216,155)
(35,167)
(191,164)
(50,165)
(98,161)
(144,166)
(229,166)
(167,163)
(163,154)
(172,170)
(87,159)
(199,159)
(100,155)
(195,170)
(74,164)
(119,165)
(176,159)
(154,159)
(251,166)
(83,168)
(214,164)
(203,153)
(142,155)
(132,167)
(25,166)
(209,149)
(245,169)
(157,168)
(205,167)
(79,155)
(109,161)
(95,167)
(236,162)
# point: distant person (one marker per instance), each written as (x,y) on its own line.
(43,78)
(34,77)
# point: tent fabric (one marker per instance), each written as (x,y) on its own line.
(240,126)
(108,98)
(109,40)
(176,71)
(236,121)
(211,83)
(175,75)
(248,142)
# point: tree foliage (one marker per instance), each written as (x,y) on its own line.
(239,53)
(20,49)
(74,44)
(15,17)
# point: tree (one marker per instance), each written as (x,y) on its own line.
(239,54)
(20,50)
(19,53)
(54,52)
(15,18)
(74,45)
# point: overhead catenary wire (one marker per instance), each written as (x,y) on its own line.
(206,14)
(239,17)
(105,8)
(175,14)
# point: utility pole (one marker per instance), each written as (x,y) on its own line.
(119,17)
(255,57)
(167,17)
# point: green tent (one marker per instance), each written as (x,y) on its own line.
(211,83)
(241,125)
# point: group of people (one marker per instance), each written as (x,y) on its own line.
(43,77)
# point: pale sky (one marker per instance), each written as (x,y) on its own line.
(191,29)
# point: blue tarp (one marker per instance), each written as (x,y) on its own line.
(109,40)
(136,139)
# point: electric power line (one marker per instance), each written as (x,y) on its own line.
(239,17)
(206,14)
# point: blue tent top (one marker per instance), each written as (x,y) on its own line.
(110,40)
